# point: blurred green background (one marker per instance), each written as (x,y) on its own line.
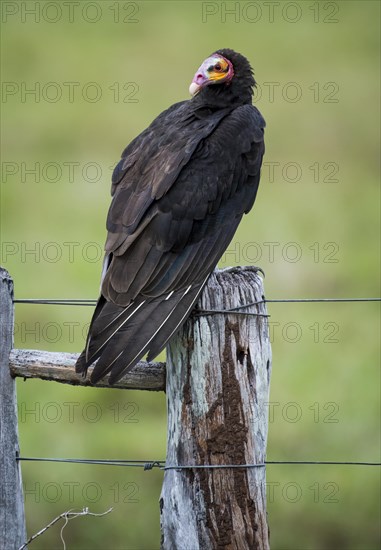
(101,72)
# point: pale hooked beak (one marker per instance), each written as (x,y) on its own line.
(194,88)
(199,79)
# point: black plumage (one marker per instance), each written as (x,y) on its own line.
(179,193)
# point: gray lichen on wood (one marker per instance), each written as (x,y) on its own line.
(218,373)
(12,520)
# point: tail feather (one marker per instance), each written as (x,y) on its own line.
(119,337)
(98,337)
(163,323)
(182,311)
(124,341)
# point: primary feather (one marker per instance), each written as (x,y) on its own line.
(179,193)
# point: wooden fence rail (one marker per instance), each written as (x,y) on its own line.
(59,367)
(217,383)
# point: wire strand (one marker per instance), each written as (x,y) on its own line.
(105,462)
(56,302)
(236,310)
(150,464)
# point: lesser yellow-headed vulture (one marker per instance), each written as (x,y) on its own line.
(179,193)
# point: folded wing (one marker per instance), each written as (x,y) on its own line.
(179,194)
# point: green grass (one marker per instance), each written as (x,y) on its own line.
(331,372)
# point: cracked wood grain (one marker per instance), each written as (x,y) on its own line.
(218,374)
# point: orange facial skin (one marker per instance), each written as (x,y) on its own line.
(215,69)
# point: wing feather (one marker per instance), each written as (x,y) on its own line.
(179,193)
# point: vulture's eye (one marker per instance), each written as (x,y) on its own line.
(217,67)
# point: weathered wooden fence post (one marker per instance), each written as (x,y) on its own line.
(218,373)
(12,519)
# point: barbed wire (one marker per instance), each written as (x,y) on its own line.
(150,464)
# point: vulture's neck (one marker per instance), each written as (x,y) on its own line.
(221,97)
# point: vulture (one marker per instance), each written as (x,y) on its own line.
(178,195)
